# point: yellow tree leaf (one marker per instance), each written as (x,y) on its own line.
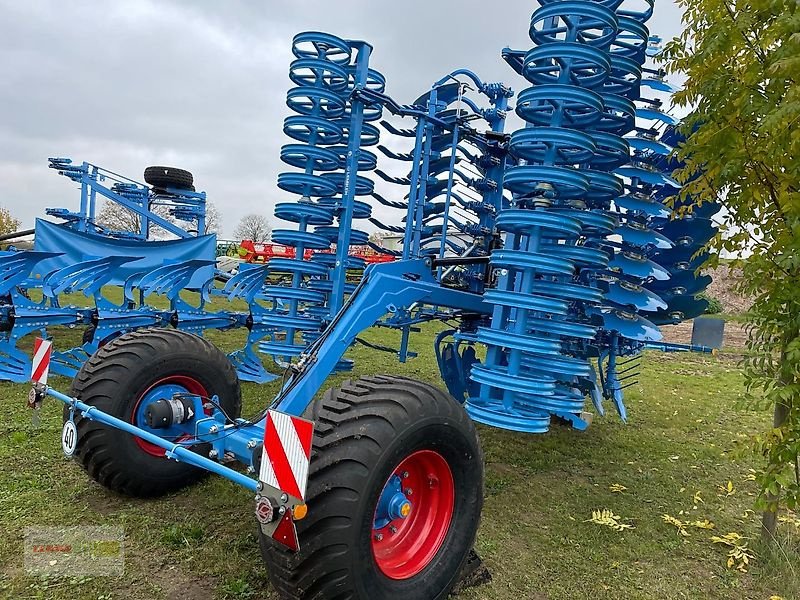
(677,523)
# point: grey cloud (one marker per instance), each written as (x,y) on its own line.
(201,84)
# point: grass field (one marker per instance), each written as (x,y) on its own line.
(676,456)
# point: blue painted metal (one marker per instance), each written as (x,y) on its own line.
(554,246)
(73,247)
(82,256)
(176,451)
(170,390)
(383,286)
(536,365)
(391,503)
(331,131)
(136,197)
(384,289)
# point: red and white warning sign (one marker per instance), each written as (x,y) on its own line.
(42,349)
(287,453)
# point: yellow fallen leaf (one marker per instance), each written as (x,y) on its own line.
(607,518)
(677,523)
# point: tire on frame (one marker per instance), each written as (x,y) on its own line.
(117,377)
(367,432)
(161,177)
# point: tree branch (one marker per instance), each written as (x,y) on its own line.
(743,227)
(762,59)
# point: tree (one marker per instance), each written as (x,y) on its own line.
(8,224)
(377,237)
(253,227)
(742,62)
(213,218)
(118,218)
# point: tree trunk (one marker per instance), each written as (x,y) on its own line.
(769,520)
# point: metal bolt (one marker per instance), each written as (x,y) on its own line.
(378,537)
(284,498)
(393,529)
(213,454)
(405,474)
(250,469)
(260,486)
(213,429)
(408,491)
(251,444)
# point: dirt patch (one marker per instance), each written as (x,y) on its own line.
(473,574)
(178,586)
(723,288)
(173,582)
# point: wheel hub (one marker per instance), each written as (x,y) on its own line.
(413,515)
(165,388)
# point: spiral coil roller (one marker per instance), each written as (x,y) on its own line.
(326,71)
(366,162)
(623,331)
(542,333)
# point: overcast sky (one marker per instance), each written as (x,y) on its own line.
(201,84)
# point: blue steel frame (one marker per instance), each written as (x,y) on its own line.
(384,289)
(430,112)
(565,204)
(129,194)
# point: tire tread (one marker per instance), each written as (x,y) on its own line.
(337,475)
(96,384)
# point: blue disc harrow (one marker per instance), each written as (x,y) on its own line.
(547,257)
(565,228)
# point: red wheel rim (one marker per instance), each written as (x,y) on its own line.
(405,546)
(188,384)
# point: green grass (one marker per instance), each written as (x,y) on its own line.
(687,420)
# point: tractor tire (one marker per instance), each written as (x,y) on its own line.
(372,437)
(118,377)
(162,177)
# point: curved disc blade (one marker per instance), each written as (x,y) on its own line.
(681,308)
(680,259)
(656,115)
(643,237)
(660,85)
(689,232)
(681,282)
(643,143)
(643,204)
(633,327)
(626,294)
(647,176)
(642,268)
